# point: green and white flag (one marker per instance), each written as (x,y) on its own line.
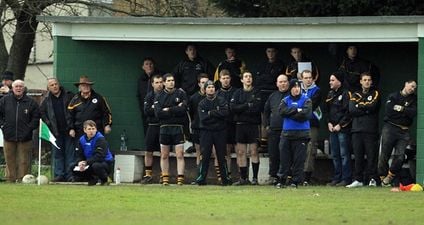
(46,134)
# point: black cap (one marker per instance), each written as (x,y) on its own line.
(294,82)
(7,75)
(339,76)
(209,82)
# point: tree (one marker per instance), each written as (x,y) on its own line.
(18,20)
(310,8)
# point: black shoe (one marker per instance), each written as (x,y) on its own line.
(242,182)
(92,182)
(200,183)
(254,181)
(146,180)
(105,182)
(59,179)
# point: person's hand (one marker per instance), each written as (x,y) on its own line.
(330,127)
(72,133)
(337,128)
(108,129)
(81,165)
(165,109)
(4,89)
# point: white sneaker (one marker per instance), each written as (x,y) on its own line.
(372,183)
(355,184)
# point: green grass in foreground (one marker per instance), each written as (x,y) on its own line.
(135,204)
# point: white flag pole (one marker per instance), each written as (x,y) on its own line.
(39,154)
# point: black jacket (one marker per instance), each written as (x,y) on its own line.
(266,75)
(144,86)
(18,117)
(352,69)
(236,67)
(177,114)
(186,73)
(94,108)
(47,111)
(212,113)
(273,119)
(363,108)
(246,106)
(406,116)
(149,110)
(193,108)
(337,108)
(227,94)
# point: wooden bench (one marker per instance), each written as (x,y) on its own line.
(131,164)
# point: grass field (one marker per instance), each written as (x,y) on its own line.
(135,204)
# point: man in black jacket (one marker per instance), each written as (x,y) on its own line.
(353,66)
(401,109)
(226,91)
(188,69)
(338,123)
(19,116)
(212,111)
(193,103)
(363,107)
(144,85)
(55,114)
(273,122)
(246,105)
(171,109)
(151,138)
(88,105)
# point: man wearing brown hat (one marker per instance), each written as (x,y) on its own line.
(88,105)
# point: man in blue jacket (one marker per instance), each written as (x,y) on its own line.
(94,156)
(296,109)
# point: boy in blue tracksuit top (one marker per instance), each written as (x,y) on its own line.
(296,110)
(94,157)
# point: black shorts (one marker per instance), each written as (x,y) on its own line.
(247,133)
(171,135)
(152,138)
(195,136)
(231,134)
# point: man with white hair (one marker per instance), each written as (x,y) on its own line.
(17,124)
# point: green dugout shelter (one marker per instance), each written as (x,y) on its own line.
(110,50)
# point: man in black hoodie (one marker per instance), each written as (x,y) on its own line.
(401,109)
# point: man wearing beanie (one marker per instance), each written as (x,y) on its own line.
(296,110)
(212,112)
(337,104)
